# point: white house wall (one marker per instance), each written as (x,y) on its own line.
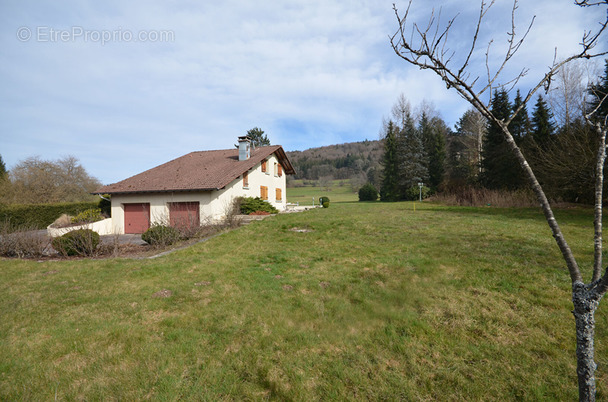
(213,204)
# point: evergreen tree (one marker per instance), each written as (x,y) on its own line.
(413,162)
(258,138)
(435,149)
(597,92)
(3,171)
(520,126)
(500,169)
(542,127)
(389,190)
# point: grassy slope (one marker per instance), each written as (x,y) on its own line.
(376,301)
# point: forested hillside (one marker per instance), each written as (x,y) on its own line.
(359,161)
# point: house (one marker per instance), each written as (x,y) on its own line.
(199,186)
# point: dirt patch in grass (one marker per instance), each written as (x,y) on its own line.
(163,294)
(301,230)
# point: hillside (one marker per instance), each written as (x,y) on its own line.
(355,160)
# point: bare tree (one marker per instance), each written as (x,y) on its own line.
(34,180)
(427,47)
(568,93)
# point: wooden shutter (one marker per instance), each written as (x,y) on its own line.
(263,166)
(280,170)
(279,194)
(264,192)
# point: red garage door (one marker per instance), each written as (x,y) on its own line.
(184,215)
(137,217)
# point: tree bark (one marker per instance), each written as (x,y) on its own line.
(585,300)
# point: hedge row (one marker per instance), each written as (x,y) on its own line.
(41,215)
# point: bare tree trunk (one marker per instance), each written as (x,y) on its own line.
(585,303)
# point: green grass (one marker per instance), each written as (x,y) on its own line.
(363,301)
(336,193)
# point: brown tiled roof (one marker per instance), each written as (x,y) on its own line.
(204,170)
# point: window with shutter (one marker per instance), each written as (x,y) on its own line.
(264,192)
(264,168)
(246,180)
(279,194)
(280,170)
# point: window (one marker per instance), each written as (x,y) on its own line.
(264,192)
(280,170)
(276,169)
(246,180)
(279,194)
(264,168)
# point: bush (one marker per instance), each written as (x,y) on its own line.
(77,242)
(368,193)
(413,193)
(250,205)
(161,236)
(22,241)
(88,216)
(324,201)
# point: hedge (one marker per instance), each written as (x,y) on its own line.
(41,215)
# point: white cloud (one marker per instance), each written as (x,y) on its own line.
(309,73)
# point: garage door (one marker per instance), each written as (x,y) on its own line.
(184,215)
(137,217)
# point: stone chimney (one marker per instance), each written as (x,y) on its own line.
(244,148)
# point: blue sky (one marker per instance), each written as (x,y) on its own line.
(125,86)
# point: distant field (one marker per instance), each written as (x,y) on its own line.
(336,193)
(360,301)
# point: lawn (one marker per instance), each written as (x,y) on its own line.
(339,191)
(356,301)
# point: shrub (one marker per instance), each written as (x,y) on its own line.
(161,236)
(22,241)
(77,242)
(250,204)
(39,216)
(88,216)
(368,193)
(413,193)
(324,201)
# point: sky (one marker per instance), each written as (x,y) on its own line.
(126,86)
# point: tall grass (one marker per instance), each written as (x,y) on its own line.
(476,197)
(357,301)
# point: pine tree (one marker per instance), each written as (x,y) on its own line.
(389,190)
(520,125)
(258,138)
(413,162)
(500,169)
(597,92)
(435,149)
(3,171)
(542,126)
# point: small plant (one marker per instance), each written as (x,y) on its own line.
(77,242)
(88,216)
(250,205)
(413,193)
(368,193)
(324,201)
(161,235)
